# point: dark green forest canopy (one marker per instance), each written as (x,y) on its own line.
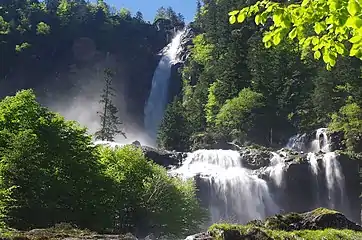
(295,92)
(38,35)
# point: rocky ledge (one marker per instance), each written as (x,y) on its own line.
(164,158)
(320,223)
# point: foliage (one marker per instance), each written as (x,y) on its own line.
(42,28)
(349,121)
(202,50)
(51,173)
(168,13)
(331,27)
(299,94)
(239,113)
(53,166)
(173,132)
(110,122)
(147,199)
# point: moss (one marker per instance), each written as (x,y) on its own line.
(322,211)
(280,227)
(60,231)
(217,231)
(283,222)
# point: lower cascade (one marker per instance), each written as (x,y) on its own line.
(235,192)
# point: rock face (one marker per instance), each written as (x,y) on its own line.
(175,86)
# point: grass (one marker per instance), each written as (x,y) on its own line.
(217,230)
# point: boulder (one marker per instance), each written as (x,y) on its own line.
(162,157)
(200,236)
(318,219)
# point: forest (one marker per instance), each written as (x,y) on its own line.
(233,89)
(232,83)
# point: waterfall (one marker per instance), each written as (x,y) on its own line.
(158,98)
(276,169)
(333,175)
(333,170)
(234,193)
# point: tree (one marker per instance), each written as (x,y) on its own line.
(174,133)
(330,27)
(139,16)
(238,114)
(170,14)
(48,167)
(109,120)
(147,199)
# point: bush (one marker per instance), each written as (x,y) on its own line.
(51,173)
(53,166)
(147,199)
(237,116)
(349,121)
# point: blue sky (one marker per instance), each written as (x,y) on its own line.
(149,7)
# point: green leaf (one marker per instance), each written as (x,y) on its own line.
(355,39)
(241,17)
(305,3)
(354,22)
(315,41)
(355,49)
(232,18)
(319,27)
(277,38)
(317,55)
(340,48)
(277,18)
(353,7)
(293,33)
(326,58)
(268,44)
(257,19)
(267,37)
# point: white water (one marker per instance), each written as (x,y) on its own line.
(334,177)
(276,169)
(236,194)
(158,98)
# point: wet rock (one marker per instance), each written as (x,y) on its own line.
(200,236)
(162,157)
(324,218)
(136,143)
(317,219)
(255,158)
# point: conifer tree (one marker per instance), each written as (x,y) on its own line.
(110,123)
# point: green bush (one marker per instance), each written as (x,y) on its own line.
(147,199)
(53,166)
(237,116)
(50,173)
(349,121)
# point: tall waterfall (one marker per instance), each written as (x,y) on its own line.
(235,193)
(158,98)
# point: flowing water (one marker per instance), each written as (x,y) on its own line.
(158,98)
(334,177)
(236,194)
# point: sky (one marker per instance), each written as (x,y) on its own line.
(149,7)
